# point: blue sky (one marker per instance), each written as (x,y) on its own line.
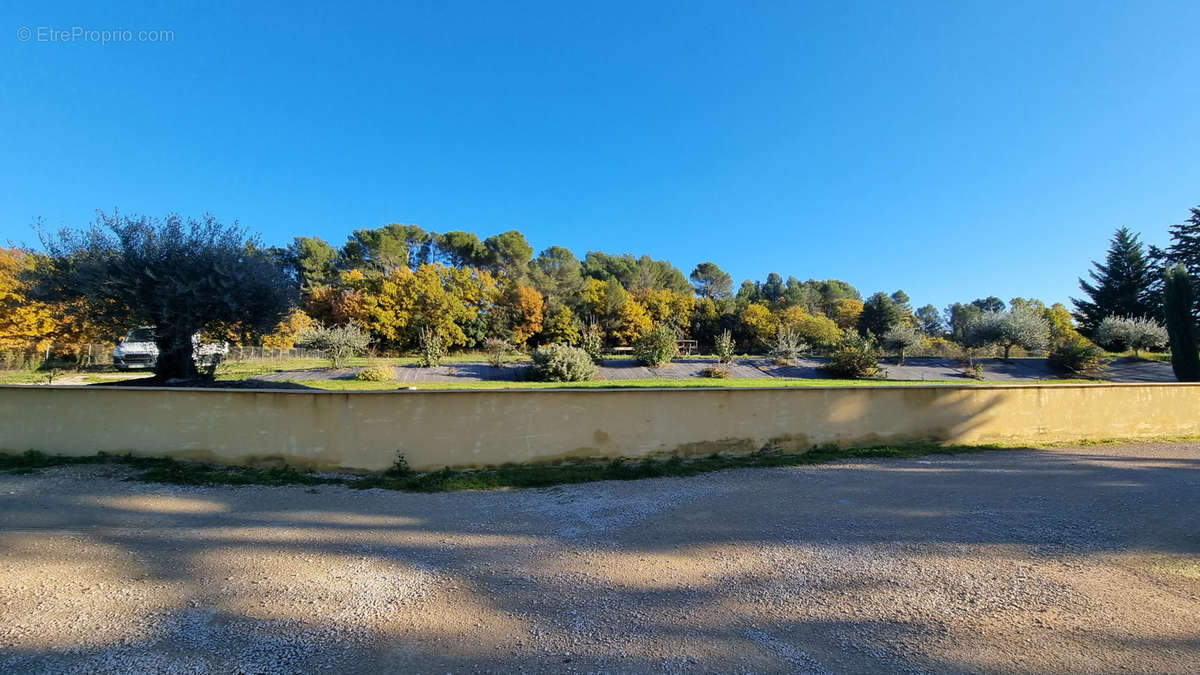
(955,150)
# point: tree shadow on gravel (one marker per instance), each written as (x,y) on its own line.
(750,569)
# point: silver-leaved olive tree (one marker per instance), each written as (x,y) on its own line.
(181,276)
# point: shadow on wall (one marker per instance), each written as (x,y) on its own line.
(623,569)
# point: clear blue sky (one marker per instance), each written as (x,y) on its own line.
(952,149)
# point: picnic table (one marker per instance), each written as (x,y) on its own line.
(688,347)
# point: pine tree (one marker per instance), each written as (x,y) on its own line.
(1178,302)
(878,315)
(1121,286)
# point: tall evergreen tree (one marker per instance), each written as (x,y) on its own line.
(1122,285)
(1185,250)
(989,304)
(711,281)
(313,262)
(930,321)
(1180,327)
(878,315)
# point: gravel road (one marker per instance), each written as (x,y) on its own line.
(1081,560)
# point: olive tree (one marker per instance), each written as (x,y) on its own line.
(1118,333)
(182,277)
(900,338)
(340,343)
(1021,326)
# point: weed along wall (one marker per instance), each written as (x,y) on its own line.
(365,430)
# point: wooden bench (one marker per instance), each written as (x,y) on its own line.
(621,350)
(688,347)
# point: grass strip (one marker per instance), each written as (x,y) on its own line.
(531,475)
(656,383)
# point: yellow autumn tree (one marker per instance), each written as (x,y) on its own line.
(1062,325)
(23,322)
(396,305)
(758,324)
(285,333)
(815,329)
(632,322)
(528,306)
(594,295)
(667,306)
(846,312)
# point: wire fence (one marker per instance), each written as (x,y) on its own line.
(260,353)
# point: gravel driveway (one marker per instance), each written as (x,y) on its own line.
(1069,560)
(1124,369)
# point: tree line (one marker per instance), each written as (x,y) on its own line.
(399,282)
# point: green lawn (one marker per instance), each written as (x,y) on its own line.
(41,377)
(1162,357)
(659,383)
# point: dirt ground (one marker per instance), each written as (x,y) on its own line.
(1082,560)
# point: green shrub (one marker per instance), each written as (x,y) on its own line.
(561,363)
(592,342)
(376,373)
(855,358)
(717,372)
(433,348)
(400,468)
(496,350)
(724,347)
(340,343)
(1077,356)
(657,347)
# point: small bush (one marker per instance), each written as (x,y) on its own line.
(787,346)
(400,468)
(717,372)
(1077,356)
(496,350)
(657,347)
(433,348)
(855,358)
(340,343)
(562,363)
(376,373)
(592,342)
(724,347)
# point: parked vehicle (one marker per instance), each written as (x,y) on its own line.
(138,351)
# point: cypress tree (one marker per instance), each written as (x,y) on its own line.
(1185,250)
(1120,286)
(1185,361)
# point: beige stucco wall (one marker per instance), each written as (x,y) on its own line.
(365,430)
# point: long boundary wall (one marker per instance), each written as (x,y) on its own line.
(365,430)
